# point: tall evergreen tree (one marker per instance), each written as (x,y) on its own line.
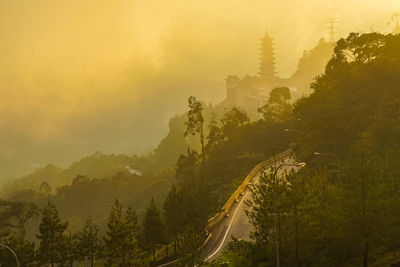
(233,119)
(215,135)
(69,254)
(187,170)
(153,228)
(115,235)
(132,232)
(278,108)
(88,243)
(51,235)
(173,215)
(23,248)
(195,122)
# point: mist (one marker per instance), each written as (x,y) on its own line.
(83,76)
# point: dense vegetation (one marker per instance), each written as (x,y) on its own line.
(340,210)
(203,181)
(343,208)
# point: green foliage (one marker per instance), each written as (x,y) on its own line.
(235,145)
(173,145)
(230,161)
(341,210)
(173,214)
(195,122)
(361,76)
(70,252)
(231,122)
(14,214)
(153,228)
(191,253)
(215,135)
(279,95)
(132,236)
(311,64)
(88,243)
(278,108)
(51,235)
(23,248)
(115,235)
(187,169)
(240,253)
(92,197)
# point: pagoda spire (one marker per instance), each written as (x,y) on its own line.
(267,59)
(395,18)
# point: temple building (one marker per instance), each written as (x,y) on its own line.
(267,71)
(251,92)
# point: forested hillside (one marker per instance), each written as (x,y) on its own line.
(342,209)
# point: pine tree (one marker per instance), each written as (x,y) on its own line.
(173,215)
(195,122)
(23,248)
(132,231)
(88,243)
(115,236)
(51,235)
(69,254)
(153,228)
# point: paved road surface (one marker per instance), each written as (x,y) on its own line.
(237,224)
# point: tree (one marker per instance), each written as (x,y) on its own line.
(276,211)
(115,235)
(279,95)
(238,253)
(174,215)
(215,135)
(23,248)
(132,232)
(69,250)
(277,108)
(45,189)
(187,169)
(14,215)
(153,228)
(88,242)
(195,210)
(195,122)
(232,121)
(51,235)
(193,238)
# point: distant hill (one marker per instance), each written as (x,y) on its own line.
(97,165)
(310,65)
(86,196)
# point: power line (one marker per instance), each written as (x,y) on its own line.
(332,28)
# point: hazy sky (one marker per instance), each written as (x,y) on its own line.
(78,76)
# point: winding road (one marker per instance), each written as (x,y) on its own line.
(237,224)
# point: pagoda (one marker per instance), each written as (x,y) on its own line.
(267,71)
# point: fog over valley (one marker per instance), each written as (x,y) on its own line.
(78,77)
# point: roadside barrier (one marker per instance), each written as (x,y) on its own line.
(228,204)
(217,218)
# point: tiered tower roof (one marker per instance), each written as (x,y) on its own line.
(267,59)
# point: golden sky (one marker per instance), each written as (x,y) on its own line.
(86,75)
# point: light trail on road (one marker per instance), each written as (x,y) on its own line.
(227,230)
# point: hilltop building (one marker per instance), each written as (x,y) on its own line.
(267,72)
(249,93)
